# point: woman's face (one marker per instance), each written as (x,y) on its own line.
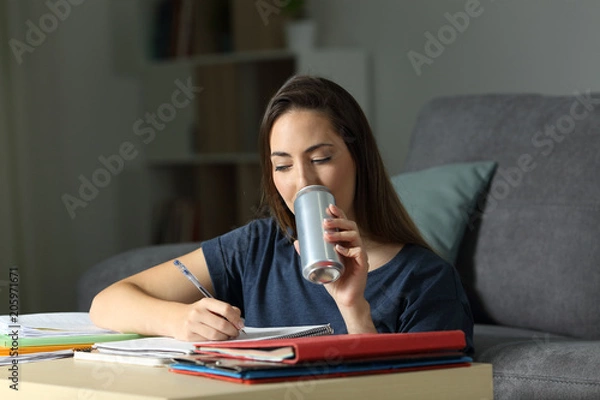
(305,150)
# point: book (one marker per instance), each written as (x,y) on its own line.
(344,347)
(146,347)
(151,361)
(241,364)
(54,329)
(184,29)
(79,340)
(276,354)
(6,351)
(244,371)
(256,32)
(48,336)
(49,324)
(31,357)
(277,360)
(157,346)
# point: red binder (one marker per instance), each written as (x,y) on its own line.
(348,347)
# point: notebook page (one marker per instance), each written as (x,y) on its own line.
(49,324)
(146,345)
(165,344)
(283,332)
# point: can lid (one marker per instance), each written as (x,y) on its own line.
(312,188)
(322,274)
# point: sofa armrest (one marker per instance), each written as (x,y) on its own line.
(123,265)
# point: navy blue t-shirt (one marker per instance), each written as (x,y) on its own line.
(257,269)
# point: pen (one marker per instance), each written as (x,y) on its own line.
(194,280)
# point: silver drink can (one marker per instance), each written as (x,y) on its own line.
(320,262)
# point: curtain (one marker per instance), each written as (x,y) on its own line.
(13,224)
(8,257)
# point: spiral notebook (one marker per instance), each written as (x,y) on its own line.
(164,346)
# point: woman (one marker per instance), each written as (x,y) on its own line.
(313,133)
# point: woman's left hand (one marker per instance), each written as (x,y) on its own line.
(349,289)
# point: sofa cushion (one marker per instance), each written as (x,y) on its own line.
(440,201)
(536,365)
(530,256)
(123,265)
(494,336)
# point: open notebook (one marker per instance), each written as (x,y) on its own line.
(44,336)
(54,329)
(168,347)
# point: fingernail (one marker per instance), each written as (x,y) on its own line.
(341,248)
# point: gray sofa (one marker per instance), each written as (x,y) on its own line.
(529,259)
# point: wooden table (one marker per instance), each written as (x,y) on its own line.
(90,380)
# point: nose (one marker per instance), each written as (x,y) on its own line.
(306,176)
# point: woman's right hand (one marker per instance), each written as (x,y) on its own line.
(160,301)
(207,319)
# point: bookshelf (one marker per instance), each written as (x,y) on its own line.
(202,110)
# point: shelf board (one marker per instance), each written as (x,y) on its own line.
(204,159)
(222,58)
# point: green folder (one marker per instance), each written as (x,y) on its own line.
(7,341)
(54,328)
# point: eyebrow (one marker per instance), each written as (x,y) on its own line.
(309,150)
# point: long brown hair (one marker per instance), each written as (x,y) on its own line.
(378,210)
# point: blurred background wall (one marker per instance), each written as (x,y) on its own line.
(542,46)
(65,102)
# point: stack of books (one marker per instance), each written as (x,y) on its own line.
(275,360)
(258,355)
(43,336)
(184,28)
(160,351)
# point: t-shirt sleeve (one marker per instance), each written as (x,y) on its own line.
(439,304)
(225,257)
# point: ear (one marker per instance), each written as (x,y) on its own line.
(297,246)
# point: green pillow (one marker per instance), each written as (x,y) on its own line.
(440,201)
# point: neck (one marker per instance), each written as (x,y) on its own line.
(379,253)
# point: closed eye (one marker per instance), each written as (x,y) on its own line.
(321,160)
(281,168)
